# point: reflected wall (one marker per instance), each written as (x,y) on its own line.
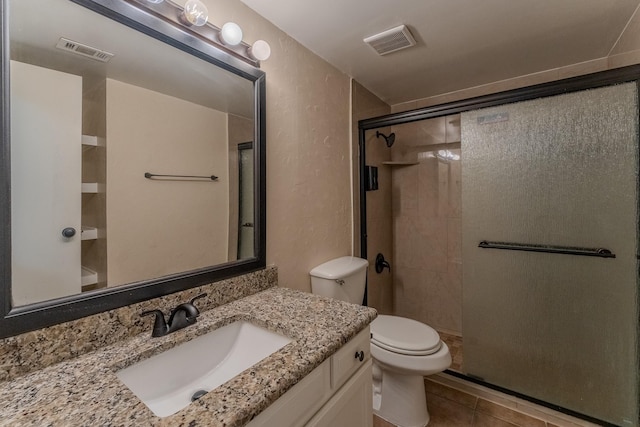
(159,227)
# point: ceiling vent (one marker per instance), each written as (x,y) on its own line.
(84,50)
(391,40)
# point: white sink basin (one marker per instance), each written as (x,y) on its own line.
(166,382)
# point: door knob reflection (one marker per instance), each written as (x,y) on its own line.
(69,232)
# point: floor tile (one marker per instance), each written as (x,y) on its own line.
(507,414)
(484,420)
(447,413)
(454,343)
(379,422)
(453,394)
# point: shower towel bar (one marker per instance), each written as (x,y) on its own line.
(566,250)
(149,175)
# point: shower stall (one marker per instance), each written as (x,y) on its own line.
(514,221)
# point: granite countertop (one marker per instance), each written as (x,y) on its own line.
(85,391)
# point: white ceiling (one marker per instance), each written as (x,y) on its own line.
(460,43)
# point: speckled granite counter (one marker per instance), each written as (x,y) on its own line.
(85,391)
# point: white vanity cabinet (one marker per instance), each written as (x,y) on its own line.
(337,393)
(351,405)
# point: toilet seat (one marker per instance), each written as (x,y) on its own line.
(404,336)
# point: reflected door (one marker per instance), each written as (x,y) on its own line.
(557,172)
(245,230)
(46,132)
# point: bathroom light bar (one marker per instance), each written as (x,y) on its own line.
(174,14)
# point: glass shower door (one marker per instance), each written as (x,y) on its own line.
(558,172)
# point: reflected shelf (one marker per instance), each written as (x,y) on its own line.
(92,187)
(89,277)
(89,233)
(92,141)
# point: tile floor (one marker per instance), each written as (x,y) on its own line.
(454,343)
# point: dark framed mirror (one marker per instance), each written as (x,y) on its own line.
(119,167)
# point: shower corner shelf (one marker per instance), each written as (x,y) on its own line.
(89,277)
(402,163)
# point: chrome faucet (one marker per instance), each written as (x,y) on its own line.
(182,316)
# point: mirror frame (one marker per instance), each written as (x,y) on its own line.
(14,321)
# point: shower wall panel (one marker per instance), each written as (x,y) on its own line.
(554,171)
(426,223)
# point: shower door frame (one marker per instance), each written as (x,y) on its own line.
(559,87)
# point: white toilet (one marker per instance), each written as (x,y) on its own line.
(403,350)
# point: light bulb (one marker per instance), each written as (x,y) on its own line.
(196,13)
(260,50)
(231,34)
(155,1)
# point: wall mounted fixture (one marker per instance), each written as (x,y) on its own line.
(231,34)
(391,40)
(370,178)
(388,139)
(193,17)
(195,12)
(162,177)
(260,50)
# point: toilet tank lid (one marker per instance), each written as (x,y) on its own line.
(339,267)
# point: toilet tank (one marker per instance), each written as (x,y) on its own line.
(341,278)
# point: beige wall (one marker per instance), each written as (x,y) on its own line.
(379,286)
(308,150)
(159,227)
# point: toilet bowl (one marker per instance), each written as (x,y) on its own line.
(403,350)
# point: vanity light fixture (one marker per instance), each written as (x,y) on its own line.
(193,18)
(260,50)
(231,34)
(195,12)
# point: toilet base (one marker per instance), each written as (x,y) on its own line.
(399,399)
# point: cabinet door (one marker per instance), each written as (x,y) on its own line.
(46,133)
(299,403)
(351,405)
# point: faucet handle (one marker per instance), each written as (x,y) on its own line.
(197,297)
(160,327)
